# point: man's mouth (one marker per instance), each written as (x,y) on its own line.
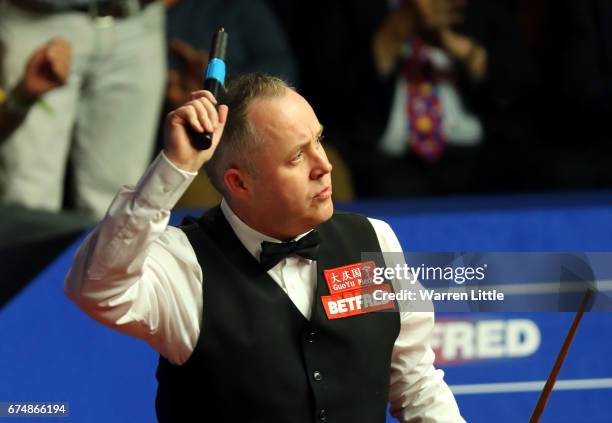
(324,193)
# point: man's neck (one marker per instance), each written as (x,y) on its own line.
(257,223)
(269,227)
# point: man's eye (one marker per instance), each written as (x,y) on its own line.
(320,139)
(297,157)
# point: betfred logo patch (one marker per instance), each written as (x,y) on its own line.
(357,301)
(349,277)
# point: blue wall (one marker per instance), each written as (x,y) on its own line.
(52,352)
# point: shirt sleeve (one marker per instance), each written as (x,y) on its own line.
(417,391)
(135,274)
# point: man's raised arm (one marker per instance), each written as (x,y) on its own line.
(135,274)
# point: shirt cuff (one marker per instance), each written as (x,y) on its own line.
(163,184)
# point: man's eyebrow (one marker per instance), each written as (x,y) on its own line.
(300,146)
(320,133)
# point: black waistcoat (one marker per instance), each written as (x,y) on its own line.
(258,359)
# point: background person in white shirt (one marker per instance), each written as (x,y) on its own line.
(233,345)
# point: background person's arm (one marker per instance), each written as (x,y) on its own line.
(47,68)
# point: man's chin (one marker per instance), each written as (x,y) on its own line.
(321,214)
(327,211)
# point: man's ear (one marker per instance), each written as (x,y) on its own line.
(238,183)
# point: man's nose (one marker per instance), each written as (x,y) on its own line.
(321,165)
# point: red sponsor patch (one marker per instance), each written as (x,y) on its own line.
(349,277)
(357,301)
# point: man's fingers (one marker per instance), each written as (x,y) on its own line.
(223,111)
(205,119)
(213,114)
(448,12)
(189,114)
(58,57)
(59,68)
(36,60)
(207,100)
(204,93)
(201,115)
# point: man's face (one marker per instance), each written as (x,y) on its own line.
(292,187)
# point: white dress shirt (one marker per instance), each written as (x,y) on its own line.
(136,274)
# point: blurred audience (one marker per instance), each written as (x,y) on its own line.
(418,94)
(257,43)
(103,118)
(579,100)
(47,68)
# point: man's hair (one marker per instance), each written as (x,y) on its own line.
(240,139)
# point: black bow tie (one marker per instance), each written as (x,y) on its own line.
(273,252)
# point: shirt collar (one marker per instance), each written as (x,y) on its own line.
(250,238)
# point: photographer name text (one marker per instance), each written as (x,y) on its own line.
(432,295)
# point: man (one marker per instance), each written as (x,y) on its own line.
(233,345)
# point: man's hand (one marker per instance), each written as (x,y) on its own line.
(426,18)
(201,115)
(47,68)
(181,83)
(433,16)
(466,51)
(389,40)
(435,20)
